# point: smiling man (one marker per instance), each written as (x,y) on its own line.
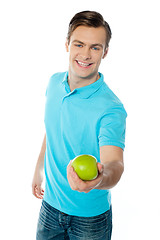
(82,116)
(87,47)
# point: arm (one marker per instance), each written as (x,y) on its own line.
(38,174)
(113,167)
(110,171)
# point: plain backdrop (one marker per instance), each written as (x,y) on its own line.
(32,48)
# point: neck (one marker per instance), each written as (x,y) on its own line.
(77,82)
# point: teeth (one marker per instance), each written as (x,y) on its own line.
(83,64)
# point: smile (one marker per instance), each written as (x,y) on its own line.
(82,64)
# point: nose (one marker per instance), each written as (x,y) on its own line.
(85,53)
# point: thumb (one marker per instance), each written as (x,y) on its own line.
(39,191)
(100,167)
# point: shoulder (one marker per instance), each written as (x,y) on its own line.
(110,101)
(54,82)
(57,77)
(109,95)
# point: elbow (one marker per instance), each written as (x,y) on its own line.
(118,173)
(121,169)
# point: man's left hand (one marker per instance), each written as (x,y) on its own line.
(84,186)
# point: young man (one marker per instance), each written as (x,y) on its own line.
(82,116)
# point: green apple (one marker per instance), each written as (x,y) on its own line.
(85,166)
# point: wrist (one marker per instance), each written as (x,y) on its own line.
(98,185)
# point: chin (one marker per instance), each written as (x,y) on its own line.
(88,75)
(85,74)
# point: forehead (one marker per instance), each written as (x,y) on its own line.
(89,35)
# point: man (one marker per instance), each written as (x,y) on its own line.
(82,116)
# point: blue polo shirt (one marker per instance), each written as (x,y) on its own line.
(79,122)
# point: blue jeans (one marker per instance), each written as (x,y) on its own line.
(53,224)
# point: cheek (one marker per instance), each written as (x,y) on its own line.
(98,58)
(73,53)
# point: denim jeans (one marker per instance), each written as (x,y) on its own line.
(53,224)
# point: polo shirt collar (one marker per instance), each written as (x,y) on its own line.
(87,91)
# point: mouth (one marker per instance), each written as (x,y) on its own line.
(83,64)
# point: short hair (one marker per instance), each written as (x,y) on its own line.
(90,19)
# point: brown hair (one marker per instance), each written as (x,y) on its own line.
(90,19)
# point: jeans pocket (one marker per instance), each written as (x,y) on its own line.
(98,227)
(47,217)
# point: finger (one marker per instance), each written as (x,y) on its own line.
(34,190)
(78,184)
(72,177)
(86,186)
(75,182)
(93,183)
(100,167)
(39,192)
(72,173)
(87,191)
(39,196)
(69,165)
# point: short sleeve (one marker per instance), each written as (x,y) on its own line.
(48,86)
(113,127)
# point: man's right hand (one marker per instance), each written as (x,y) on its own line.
(37,189)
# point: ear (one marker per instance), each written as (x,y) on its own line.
(105,53)
(67,46)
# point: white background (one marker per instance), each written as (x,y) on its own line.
(31,50)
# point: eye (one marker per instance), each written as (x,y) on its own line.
(78,45)
(95,48)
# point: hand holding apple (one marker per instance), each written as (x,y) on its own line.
(85,166)
(76,183)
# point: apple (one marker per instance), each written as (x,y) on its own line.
(85,166)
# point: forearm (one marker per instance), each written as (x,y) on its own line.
(37,181)
(111,175)
(40,161)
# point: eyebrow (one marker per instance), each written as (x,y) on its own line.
(93,45)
